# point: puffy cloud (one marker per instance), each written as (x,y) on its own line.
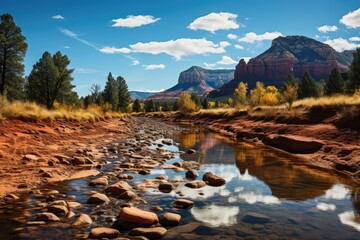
(135,62)
(58,17)
(252,198)
(232,36)
(326,206)
(327,28)
(180,47)
(352,19)
(112,50)
(226,60)
(237,46)
(340,44)
(154,66)
(134,21)
(210,215)
(337,192)
(252,37)
(355,39)
(209,65)
(214,22)
(348,218)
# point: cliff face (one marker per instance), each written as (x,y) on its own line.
(292,54)
(197,80)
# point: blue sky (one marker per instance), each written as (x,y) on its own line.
(149,42)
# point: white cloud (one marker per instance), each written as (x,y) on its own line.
(226,60)
(85,70)
(214,22)
(232,36)
(327,28)
(76,37)
(348,218)
(340,44)
(57,17)
(355,39)
(112,50)
(252,37)
(134,21)
(209,65)
(337,192)
(150,91)
(67,47)
(154,66)
(237,46)
(210,215)
(252,198)
(180,47)
(352,19)
(326,206)
(135,62)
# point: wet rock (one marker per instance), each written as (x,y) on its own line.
(121,189)
(102,181)
(102,232)
(151,233)
(213,180)
(191,151)
(169,219)
(98,198)
(47,217)
(144,172)
(82,220)
(156,209)
(58,210)
(134,217)
(191,174)
(252,217)
(167,141)
(195,184)
(178,164)
(124,176)
(183,204)
(166,187)
(73,205)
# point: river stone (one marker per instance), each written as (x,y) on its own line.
(58,210)
(151,233)
(99,181)
(191,174)
(169,219)
(156,208)
(74,205)
(212,180)
(47,217)
(191,151)
(118,188)
(98,198)
(136,217)
(166,187)
(11,196)
(124,176)
(195,184)
(78,160)
(102,232)
(82,220)
(183,203)
(252,217)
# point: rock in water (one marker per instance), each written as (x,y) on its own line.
(213,180)
(133,217)
(183,203)
(102,232)
(166,187)
(191,174)
(195,184)
(169,219)
(82,220)
(151,233)
(98,198)
(47,217)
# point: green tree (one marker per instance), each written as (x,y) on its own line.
(335,83)
(175,106)
(240,95)
(217,104)
(136,106)
(307,87)
(354,72)
(50,80)
(196,99)
(12,52)
(205,103)
(124,95)
(111,92)
(291,80)
(149,106)
(257,94)
(166,107)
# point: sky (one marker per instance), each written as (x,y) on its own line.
(149,42)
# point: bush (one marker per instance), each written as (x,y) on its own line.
(186,105)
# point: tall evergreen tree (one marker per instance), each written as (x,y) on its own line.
(175,106)
(149,106)
(12,52)
(307,87)
(196,99)
(354,72)
(205,103)
(335,83)
(111,92)
(136,106)
(291,80)
(50,80)
(124,95)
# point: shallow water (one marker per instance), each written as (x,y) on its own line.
(294,201)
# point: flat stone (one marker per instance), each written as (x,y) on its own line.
(102,232)
(118,188)
(151,233)
(169,219)
(183,204)
(212,180)
(195,184)
(137,217)
(102,181)
(98,198)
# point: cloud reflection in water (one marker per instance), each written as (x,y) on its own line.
(216,216)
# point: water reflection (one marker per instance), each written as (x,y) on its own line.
(216,216)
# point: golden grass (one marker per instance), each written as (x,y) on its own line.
(340,100)
(32,111)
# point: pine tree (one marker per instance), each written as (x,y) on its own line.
(175,106)
(205,103)
(149,106)
(12,52)
(335,83)
(124,95)
(111,92)
(307,87)
(354,72)
(291,80)
(136,106)
(50,80)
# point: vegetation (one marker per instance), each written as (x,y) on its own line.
(186,104)
(240,98)
(111,92)
(335,84)
(123,94)
(354,72)
(257,94)
(307,87)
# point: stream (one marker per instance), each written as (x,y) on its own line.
(268,195)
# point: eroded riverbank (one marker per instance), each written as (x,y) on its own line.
(267,194)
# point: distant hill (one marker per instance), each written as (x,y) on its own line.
(197,80)
(141,95)
(291,54)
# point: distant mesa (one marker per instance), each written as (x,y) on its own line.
(197,80)
(140,95)
(291,54)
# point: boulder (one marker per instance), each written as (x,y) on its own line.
(82,220)
(183,204)
(195,184)
(191,174)
(212,180)
(98,198)
(58,210)
(121,189)
(102,232)
(166,187)
(134,217)
(102,181)
(150,233)
(47,217)
(169,219)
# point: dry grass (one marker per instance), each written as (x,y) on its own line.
(32,111)
(341,100)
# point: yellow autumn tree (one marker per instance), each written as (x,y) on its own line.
(257,94)
(186,105)
(240,95)
(271,96)
(290,94)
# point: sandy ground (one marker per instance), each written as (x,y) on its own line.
(27,149)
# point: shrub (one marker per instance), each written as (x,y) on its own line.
(186,105)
